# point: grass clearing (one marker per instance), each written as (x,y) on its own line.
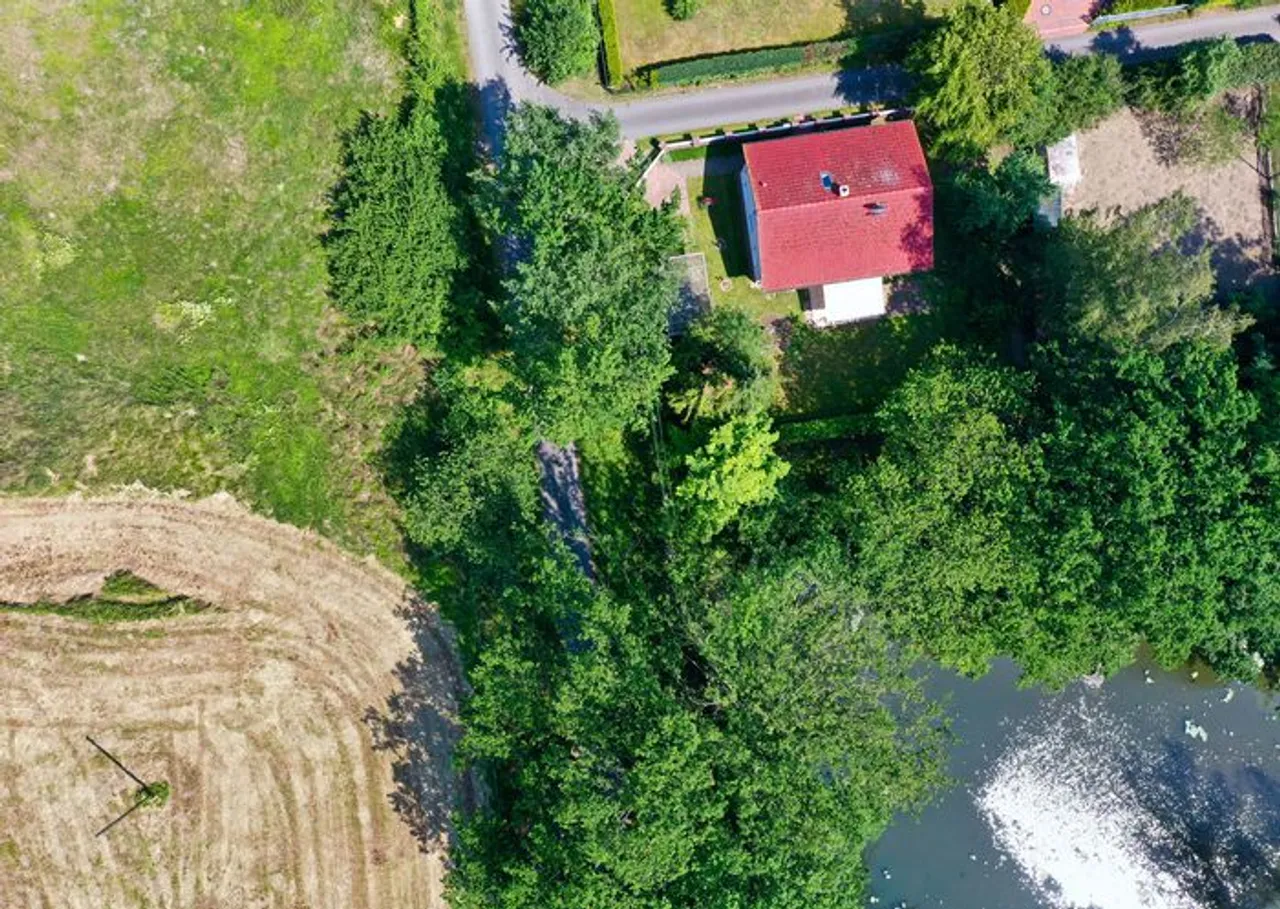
(649,34)
(163,311)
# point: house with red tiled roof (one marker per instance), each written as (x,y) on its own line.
(837,212)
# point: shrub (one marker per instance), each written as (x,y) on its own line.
(1133,6)
(683,9)
(1088,89)
(1019,7)
(155,795)
(557,37)
(394,250)
(613,71)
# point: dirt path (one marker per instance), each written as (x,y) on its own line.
(306,727)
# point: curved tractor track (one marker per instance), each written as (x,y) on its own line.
(305,723)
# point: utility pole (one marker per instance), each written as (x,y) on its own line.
(143,793)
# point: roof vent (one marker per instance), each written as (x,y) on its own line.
(844,190)
(877,209)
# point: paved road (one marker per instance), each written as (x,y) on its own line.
(495,66)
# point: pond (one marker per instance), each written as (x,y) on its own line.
(1157,790)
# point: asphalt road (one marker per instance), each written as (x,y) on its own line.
(496,68)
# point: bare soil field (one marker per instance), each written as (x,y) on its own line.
(1122,170)
(305,723)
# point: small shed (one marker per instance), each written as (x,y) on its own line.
(1064,164)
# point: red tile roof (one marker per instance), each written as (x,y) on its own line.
(809,235)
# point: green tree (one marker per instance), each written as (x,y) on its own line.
(814,761)
(992,204)
(472,473)
(726,365)
(934,520)
(587,305)
(736,469)
(1088,88)
(1133,284)
(980,76)
(1152,459)
(684,9)
(394,248)
(557,37)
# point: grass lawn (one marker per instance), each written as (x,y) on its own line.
(717,230)
(851,369)
(163,310)
(649,34)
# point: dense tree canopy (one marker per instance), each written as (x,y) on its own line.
(587,306)
(934,520)
(1138,283)
(724,713)
(557,37)
(981,75)
(394,249)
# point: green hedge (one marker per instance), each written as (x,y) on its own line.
(1117,7)
(742,63)
(825,429)
(613,72)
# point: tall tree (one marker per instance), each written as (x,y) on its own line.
(980,76)
(586,308)
(1170,502)
(1135,283)
(725,365)
(736,469)
(934,520)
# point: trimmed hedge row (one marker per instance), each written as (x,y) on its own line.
(741,63)
(825,429)
(613,72)
(864,49)
(1119,7)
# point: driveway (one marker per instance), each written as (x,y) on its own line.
(496,68)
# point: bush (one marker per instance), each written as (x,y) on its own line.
(558,38)
(1257,63)
(1088,89)
(683,9)
(613,71)
(394,250)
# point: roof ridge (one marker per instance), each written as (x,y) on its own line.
(924,187)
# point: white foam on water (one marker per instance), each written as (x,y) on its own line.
(1063,809)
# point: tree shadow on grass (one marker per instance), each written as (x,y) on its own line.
(420,727)
(848,369)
